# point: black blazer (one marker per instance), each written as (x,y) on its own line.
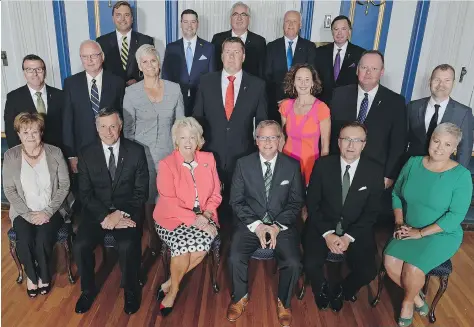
(20,100)
(255,49)
(247,194)
(111,50)
(386,124)
(129,190)
(325,67)
(360,210)
(230,140)
(78,117)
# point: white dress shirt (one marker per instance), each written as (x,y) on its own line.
(115,149)
(293,45)
(430,110)
(225,82)
(98,82)
(120,38)
(44,96)
(193,44)
(341,54)
(36,183)
(243,37)
(361,95)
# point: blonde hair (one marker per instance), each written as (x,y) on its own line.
(266,123)
(27,119)
(146,49)
(451,129)
(193,125)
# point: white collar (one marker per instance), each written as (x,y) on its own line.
(97,78)
(272,161)
(33,91)
(120,36)
(343,48)
(114,146)
(237,75)
(353,164)
(443,104)
(243,36)
(193,40)
(371,93)
(295,40)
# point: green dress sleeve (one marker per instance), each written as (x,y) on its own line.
(397,189)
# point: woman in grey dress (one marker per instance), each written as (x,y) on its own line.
(150,108)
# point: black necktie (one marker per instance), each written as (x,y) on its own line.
(346,184)
(433,123)
(112,166)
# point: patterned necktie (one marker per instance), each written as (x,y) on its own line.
(112,166)
(267,179)
(433,123)
(337,64)
(229,97)
(364,107)
(124,53)
(189,57)
(40,107)
(289,55)
(95,97)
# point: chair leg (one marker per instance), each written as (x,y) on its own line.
(67,247)
(14,255)
(427,282)
(443,285)
(302,291)
(381,277)
(215,262)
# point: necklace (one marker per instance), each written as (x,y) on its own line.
(32,156)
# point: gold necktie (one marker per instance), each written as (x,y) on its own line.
(40,107)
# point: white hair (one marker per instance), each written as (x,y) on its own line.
(449,128)
(192,124)
(240,3)
(146,49)
(83,43)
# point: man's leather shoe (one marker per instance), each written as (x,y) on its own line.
(132,302)
(284,315)
(337,300)
(85,302)
(234,311)
(352,298)
(322,298)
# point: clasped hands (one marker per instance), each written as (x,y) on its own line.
(117,220)
(202,223)
(337,244)
(39,218)
(262,230)
(405,232)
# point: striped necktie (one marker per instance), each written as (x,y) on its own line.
(124,53)
(267,179)
(95,97)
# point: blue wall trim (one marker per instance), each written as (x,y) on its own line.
(307,8)
(171,14)
(91,18)
(414,51)
(61,39)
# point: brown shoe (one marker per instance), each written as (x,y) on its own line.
(234,311)
(284,315)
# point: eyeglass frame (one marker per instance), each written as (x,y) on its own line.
(38,70)
(371,69)
(94,56)
(271,138)
(351,140)
(242,15)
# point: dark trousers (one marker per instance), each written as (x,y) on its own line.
(89,235)
(360,257)
(35,245)
(287,254)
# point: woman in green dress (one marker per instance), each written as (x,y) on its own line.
(430,200)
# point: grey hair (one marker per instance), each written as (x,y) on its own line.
(91,42)
(296,12)
(108,111)
(146,49)
(266,123)
(194,127)
(449,128)
(240,3)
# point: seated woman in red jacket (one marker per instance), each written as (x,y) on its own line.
(185,213)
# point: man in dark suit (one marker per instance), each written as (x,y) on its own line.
(84,94)
(255,45)
(35,96)
(113,186)
(266,197)
(337,61)
(343,204)
(282,54)
(381,110)
(426,113)
(187,59)
(121,45)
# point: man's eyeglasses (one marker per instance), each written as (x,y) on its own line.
(38,70)
(349,140)
(92,56)
(242,15)
(371,69)
(272,138)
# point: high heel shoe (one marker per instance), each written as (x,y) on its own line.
(405,322)
(160,294)
(424,309)
(44,290)
(165,310)
(32,293)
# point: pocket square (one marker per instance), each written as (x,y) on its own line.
(203,57)
(353,65)
(362,188)
(285,182)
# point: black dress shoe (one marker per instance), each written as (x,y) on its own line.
(352,298)
(132,302)
(160,294)
(85,302)
(322,298)
(337,299)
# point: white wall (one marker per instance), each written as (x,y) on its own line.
(322,8)
(151,21)
(77,30)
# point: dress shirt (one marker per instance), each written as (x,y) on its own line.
(193,44)
(361,95)
(341,54)
(119,40)
(253,226)
(98,82)
(116,147)
(36,183)
(243,37)
(430,110)
(225,82)
(192,166)
(44,96)
(293,46)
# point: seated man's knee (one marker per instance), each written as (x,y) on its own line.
(292,263)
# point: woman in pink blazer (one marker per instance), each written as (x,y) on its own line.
(186,211)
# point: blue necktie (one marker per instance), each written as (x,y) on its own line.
(95,97)
(364,107)
(289,55)
(189,57)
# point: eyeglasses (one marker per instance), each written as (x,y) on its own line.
(38,70)
(272,138)
(349,140)
(92,56)
(242,15)
(371,69)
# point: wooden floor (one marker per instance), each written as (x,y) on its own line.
(197,305)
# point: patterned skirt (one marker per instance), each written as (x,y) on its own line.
(184,239)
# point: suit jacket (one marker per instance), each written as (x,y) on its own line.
(255,49)
(362,205)
(177,192)
(129,189)
(78,117)
(13,187)
(230,139)
(325,67)
(286,196)
(111,50)
(455,113)
(20,100)
(175,69)
(385,122)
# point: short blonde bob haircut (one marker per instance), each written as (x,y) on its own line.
(27,120)
(146,49)
(194,127)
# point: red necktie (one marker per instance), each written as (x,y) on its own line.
(229,97)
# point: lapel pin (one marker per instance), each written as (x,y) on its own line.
(379,103)
(245,88)
(200,44)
